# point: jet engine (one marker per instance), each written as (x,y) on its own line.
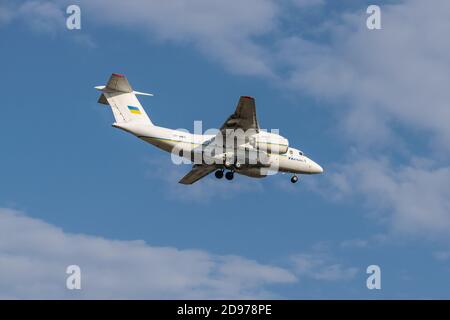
(270,142)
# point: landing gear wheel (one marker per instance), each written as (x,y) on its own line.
(294,179)
(219,174)
(229,175)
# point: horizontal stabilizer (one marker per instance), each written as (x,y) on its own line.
(138,93)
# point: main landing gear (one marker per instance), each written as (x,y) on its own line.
(294,179)
(231,165)
(220,173)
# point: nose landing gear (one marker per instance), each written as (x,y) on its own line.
(294,179)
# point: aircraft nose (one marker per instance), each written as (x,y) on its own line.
(316,168)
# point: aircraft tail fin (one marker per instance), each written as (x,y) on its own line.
(122,99)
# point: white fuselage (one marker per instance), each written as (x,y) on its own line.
(187,144)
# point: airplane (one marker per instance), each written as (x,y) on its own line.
(235,157)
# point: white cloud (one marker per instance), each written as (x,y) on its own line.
(34,256)
(223,30)
(389,87)
(412,199)
(320,266)
(397,75)
(41,16)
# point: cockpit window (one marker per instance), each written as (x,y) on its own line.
(300,153)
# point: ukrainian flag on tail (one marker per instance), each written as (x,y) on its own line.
(134,110)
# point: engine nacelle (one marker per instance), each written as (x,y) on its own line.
(270,142)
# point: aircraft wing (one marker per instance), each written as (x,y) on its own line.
(244,117)
(197,172)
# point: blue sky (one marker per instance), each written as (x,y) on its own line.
(370,106)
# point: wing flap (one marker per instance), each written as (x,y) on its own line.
(197,172)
